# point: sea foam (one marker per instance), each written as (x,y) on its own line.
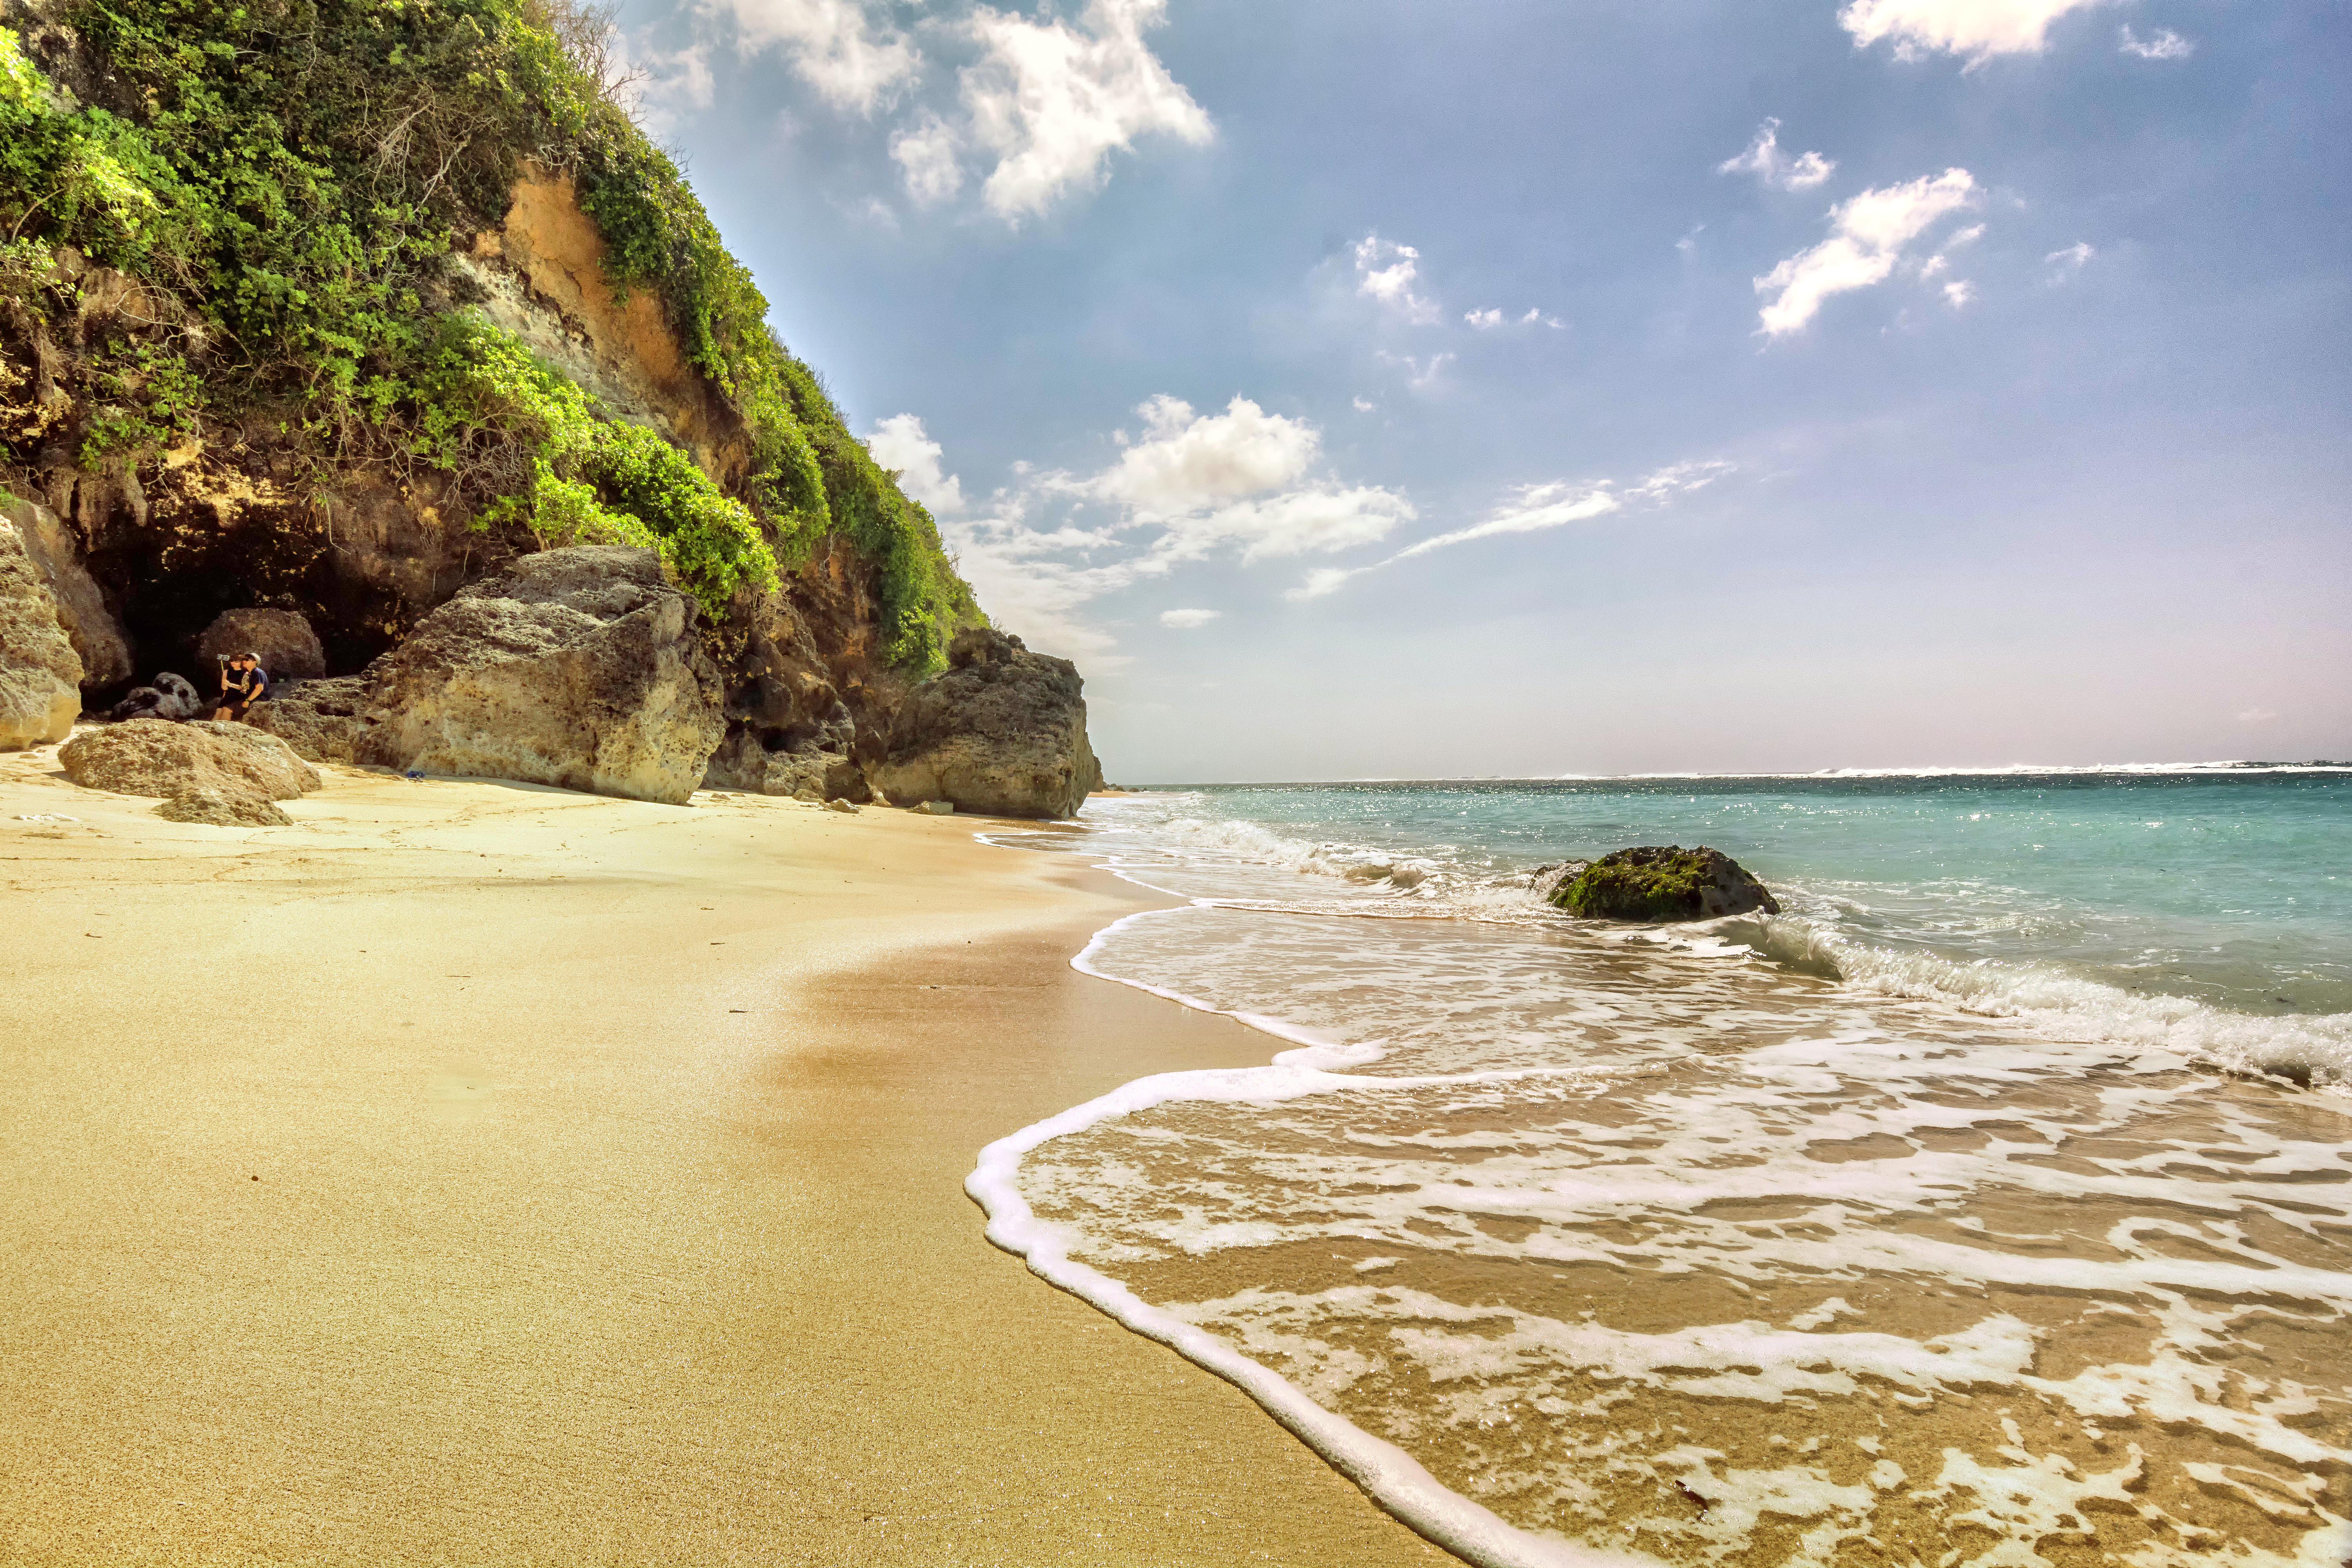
(1714,1244)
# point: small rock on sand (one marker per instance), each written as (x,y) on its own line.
(224,808)
(153,757)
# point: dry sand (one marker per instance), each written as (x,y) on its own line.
(474,1173)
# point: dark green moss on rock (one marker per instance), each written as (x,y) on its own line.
(1662,883)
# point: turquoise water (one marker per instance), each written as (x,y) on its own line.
(2232,887)
(1990,1206)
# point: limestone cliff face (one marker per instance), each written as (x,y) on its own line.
(336,332)
(543,275)
(143,557)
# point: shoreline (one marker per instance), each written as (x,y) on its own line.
(609,1203)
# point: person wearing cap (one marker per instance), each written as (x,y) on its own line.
(243,683)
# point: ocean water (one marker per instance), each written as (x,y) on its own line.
(1991,1204)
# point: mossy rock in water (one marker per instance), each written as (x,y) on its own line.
(1668,883)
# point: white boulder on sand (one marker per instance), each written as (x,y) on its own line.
(578,667)
(205,771)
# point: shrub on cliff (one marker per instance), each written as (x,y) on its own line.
(291,175)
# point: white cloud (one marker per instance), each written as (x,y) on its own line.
(2167,45)
(1188,462)
(1315,521)
(2256,716)
(1868,235)
(854,61)
(2066,263)
(1419,373)
(1365,406)
(657,87)
(899,443)
(1765,160)
(1531,508)
(1239,482)
(1959,292)
(929,154)
(1976,29)
(1689,242)
(1386,272)
(1486,320)
(1053,102)
(1186,620)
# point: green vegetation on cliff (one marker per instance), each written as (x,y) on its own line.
(293,174)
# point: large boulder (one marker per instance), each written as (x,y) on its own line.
(1662,883)
(1003,731)
(325,721)
(289,647)
(40,674)
(156,758)
(578,667)
(55,553)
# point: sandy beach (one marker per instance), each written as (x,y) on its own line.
(474,1173)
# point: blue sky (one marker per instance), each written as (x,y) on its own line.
(1359,388)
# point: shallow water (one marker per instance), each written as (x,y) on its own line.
(1957,1217)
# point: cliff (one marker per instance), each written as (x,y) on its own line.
(338,308)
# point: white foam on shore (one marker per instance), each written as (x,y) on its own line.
(2315,1049)
(1382,1469)
(1668,1106)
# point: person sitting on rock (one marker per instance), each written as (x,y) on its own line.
(243,683)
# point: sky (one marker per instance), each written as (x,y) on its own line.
(1360,388)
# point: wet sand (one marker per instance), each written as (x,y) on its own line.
(480,1173)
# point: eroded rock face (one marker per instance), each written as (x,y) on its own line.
(289,647)
(56,554)
(152,757)
(40,674)
(808,771)
(578,667)
(1003,731)
(1662,883)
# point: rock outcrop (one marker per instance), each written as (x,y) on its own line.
(56,554)
(579,668)
(1003,731)
(1662,883)
(289,647)
(40,674)
(156,758)
(810,770)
